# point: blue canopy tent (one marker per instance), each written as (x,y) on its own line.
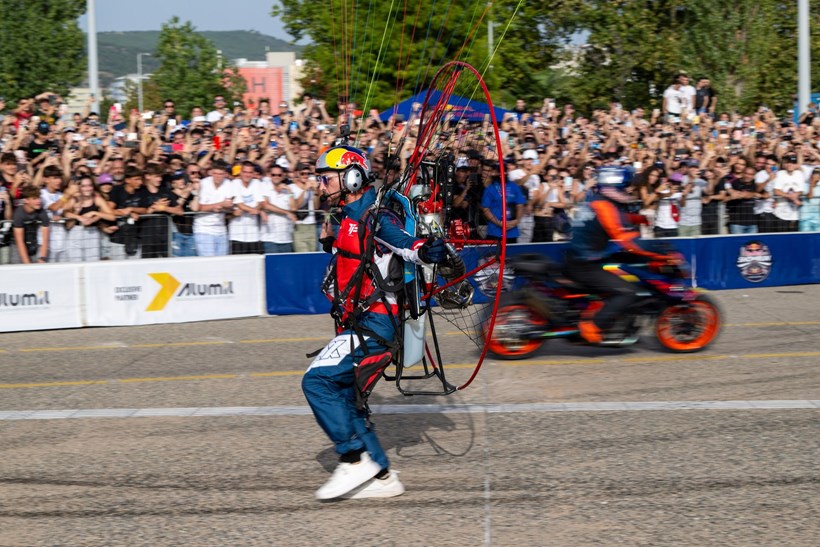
(462,107)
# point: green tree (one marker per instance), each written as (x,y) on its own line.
(378,53)
(41,47)
(629,50)
(748,49)
(190,72)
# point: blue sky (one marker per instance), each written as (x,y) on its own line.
(203,14)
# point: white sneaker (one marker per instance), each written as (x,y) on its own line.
(348,476)
(387,487)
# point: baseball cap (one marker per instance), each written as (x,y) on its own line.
(530,155)
(692,163)
(790,158)
(676,177)
(105,178)
(516,174)
(43,128)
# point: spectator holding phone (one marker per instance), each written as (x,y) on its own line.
(766,166)
(53,202)
(789,187)
(183,187)
(305,191)
(668,212)
(249,212)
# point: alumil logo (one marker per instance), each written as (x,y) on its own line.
(25,300)
(168,285)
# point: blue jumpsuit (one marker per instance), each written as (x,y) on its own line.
(329,383)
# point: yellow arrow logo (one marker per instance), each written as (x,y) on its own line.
(168,284)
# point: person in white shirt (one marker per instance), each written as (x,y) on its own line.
(277,233)
(214,199)
(673,100)
(219,111)
(53,202)
(789,187)
(688,93)
(249,212)
(764,207)
(810,214)
(529,183)
(667,216)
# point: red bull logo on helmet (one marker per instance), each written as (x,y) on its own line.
(339,158)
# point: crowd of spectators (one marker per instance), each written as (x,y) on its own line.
(233,180)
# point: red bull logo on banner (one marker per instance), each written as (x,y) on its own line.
(754,261)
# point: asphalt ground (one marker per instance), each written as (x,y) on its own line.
(198,434)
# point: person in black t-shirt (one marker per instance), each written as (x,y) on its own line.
(31,224)
(705,97)
(155,229)
(41,144)
(129,205)
(740,204)
(184,187)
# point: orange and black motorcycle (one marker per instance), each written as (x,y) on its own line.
(545,304)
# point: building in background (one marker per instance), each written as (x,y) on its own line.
(276,78)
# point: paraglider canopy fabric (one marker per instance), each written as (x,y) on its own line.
(462,108)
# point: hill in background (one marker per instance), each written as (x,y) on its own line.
(118,50)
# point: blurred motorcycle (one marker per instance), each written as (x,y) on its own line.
(545,304)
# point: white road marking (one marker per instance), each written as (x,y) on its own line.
(410,409)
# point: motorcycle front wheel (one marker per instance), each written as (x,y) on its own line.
(515,324)
(687,327)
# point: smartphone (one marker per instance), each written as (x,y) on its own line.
(172,122)
(132,144)
(217,142)
(637,165)
(167,148)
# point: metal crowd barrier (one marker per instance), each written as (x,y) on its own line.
(162,235)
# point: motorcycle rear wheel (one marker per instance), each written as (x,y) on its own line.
(688,327)
(513,320)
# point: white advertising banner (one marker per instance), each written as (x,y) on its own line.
(142,292)
(39,297)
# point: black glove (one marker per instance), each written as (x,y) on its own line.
(433,251)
